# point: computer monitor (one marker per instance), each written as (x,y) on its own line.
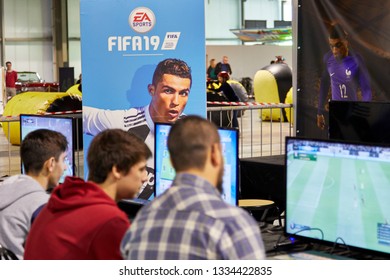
(62,124)
(359,121)
(164,172)
(338,192)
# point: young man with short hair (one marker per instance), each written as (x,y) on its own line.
(190,220)
(43,154)
(81,219)
(345,72)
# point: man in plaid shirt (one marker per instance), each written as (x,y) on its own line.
(190,220)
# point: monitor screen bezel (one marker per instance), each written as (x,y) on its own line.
(71,145)
(235,130)
(294,237)
(237,183)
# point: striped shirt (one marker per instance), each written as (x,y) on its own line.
(191,221)
(136,120)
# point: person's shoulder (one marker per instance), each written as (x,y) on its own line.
(23,183)
(327,55)
(23,192)
(356,56)
(235,217)
(134,115)
(133,111)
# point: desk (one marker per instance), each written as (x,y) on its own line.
(253,205)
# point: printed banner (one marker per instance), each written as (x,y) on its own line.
(343,55)
(143,61)
(2,89)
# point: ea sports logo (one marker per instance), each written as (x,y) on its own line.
(142,20)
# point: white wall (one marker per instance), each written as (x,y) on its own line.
(32,19)
(247,60)
(262,10)
(74,36)
(220,17)
(27,23)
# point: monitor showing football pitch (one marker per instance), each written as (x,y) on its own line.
(338,192)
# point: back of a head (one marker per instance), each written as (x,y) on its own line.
(40,145)
(172,66)
(337,32)
(224,75)
(189,141)
(114,147)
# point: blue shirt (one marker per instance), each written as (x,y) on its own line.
(191,221)
(344,77)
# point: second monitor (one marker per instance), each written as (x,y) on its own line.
(164,172)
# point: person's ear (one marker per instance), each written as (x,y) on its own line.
(115,173)
(216,154)
(151,89)
(49,165)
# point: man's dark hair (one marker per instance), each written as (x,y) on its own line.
(40,145)
(8,62)
(114,147)
(174,67)
(189,140)
(337,32)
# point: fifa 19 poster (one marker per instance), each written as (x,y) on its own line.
(343,54)
(143,61)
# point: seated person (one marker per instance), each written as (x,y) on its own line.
(43,154)
(82,219)
(190,220)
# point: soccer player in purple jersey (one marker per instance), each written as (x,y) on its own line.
(344,73)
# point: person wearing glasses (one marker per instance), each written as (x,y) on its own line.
(345,73)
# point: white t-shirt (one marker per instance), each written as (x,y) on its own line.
(136,120)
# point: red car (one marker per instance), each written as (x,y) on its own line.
(31,81)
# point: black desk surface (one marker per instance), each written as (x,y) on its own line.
(263,178)
(274,160)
